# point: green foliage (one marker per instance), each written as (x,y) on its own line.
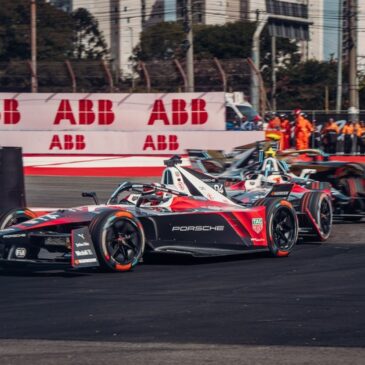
(161,41)
(89,42)
(54,31)
(232,40)
(303,85)
(59,35)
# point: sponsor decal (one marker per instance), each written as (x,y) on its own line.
(10,112)
(257,239)
(198,228)
(86,261)
(67,142)
(179,114)
(89,111)
(82,244)
(42,219)
(279,193)
(21,252)
(257,224)
(161,143)
(83,252)
(219,188)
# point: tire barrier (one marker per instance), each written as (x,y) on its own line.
(12,190)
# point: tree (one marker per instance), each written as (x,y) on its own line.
(89,42)
(232,40)
(302,85)
(54,31)
(59,35)
(161,41)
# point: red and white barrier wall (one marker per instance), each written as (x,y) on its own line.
(117,124)
(124,143)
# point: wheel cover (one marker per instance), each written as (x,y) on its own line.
(325,216)
(122,241)
(284,229)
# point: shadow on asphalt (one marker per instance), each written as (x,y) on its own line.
(148,259)
(45,273)
(171,259)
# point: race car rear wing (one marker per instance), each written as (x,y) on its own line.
(280,191)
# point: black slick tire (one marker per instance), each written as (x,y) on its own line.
(281,226)
(15,216)
(318,206)
(118,239)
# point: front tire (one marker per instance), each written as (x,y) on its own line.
(15,216)
(119,240)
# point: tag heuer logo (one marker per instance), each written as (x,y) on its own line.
(257,224)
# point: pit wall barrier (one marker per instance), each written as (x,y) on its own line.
(125,143)
(112,112)
(117,124)
(12,188)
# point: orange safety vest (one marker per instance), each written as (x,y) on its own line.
(333,127)
(348,129)
(285,124)
(303,125)
(274,123)
(360,131)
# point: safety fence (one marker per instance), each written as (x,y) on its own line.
(99,76)
(321,116)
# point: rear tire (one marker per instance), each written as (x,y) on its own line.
(281,226)
(352,187)
(119,240)
(319,206)
(15,216)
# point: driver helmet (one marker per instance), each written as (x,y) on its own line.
(274,179)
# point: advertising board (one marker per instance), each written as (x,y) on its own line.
(112,112)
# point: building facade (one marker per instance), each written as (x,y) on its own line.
(122,22)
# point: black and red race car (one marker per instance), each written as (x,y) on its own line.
(346,177)
(265,179)
(146,218)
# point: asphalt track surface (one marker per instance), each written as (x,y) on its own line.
(308,308)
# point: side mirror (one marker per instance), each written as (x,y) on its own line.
(91,194)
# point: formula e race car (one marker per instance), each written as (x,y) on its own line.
(307,167)
(146,218)
(267,179)
(346,178)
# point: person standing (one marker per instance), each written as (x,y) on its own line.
(348,131)
(286,130)
(330,133)
(303,130)
(274,123)
(360,133)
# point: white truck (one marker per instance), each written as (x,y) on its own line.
(240,114)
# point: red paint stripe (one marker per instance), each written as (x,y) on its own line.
(316,227)
(353,158)
(72,250)
(234,224)
(95,171)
